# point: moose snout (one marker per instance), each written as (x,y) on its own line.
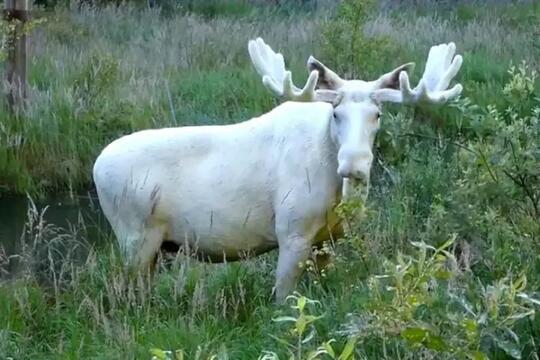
(356,165)
(358,173)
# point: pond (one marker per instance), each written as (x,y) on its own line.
(63,212)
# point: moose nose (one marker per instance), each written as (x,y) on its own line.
(354,174)
(356,167)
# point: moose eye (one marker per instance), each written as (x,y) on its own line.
(336,119)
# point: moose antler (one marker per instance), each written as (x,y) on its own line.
(441,68)
(271,66)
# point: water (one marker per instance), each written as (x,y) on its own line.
(64,211)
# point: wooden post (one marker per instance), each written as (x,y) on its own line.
(17,14)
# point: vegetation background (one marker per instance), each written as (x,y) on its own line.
(443,261)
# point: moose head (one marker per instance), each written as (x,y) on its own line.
(357,104)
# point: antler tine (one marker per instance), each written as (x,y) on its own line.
(441,67)
(271,66)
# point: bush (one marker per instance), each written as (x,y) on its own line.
(464,297)
(351,52)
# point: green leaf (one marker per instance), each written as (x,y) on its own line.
(315,353)
(312,318)
(528,298)
(309,336)
(443,275)
(284,318)
(449,255)
(301,324)
(422,245)
(301,303)
(470,325)
(268,355)
(415,334)
(436,343)
(520,284)
(511,348)
(447,244)
(348,350)
(329,349)
(522,315)
(160,354)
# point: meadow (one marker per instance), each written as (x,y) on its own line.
(441,262)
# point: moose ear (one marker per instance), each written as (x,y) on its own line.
(327,78)
(391,80)
(329,96)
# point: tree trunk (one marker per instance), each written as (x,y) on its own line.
(17,14)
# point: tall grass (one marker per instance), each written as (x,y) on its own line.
(97,73)
(72,301)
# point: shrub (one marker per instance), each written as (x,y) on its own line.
(423,305)
(465,297)
(352,53)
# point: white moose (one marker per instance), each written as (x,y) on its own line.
(272,181)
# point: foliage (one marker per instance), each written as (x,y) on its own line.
(351,51)
(298,341)
(501,175)
(303,322)
(458,303)
(423,304)
(5,31)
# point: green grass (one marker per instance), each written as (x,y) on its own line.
(466,173)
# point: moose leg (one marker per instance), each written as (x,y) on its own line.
(141,249)
(293,251)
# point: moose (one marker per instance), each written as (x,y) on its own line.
(269,182)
